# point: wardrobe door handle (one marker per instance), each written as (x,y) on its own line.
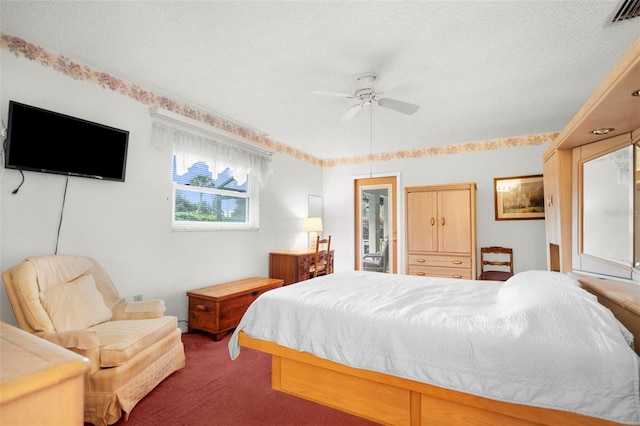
(442,221)
(433,221)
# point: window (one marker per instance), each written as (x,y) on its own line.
(215,178)
(201,200)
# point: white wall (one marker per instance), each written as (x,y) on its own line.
(127,226)
(526,237)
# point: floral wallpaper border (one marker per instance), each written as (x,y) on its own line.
(447,149)
(25,49)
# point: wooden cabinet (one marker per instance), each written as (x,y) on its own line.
(40,383)
(612,109)
(557,190)
(292,266)
(218,309)
(441,230)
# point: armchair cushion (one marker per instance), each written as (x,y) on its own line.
(37,274)
(75,305)
(122,340)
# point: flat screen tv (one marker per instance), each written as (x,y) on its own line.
(45,141)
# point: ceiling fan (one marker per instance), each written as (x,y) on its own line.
(365,92)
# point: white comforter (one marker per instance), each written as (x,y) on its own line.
(538,339)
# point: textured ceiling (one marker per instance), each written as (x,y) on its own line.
(479,70)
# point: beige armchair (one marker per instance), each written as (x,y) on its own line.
(71,301)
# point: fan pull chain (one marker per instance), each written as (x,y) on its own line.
(370,140)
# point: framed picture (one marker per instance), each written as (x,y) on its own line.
(519,197)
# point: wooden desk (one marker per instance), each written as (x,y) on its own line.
(40,383)
(292,266)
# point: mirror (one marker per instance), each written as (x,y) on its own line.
(314,206)
(608,206)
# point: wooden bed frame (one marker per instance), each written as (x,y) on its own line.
(392,400)
(395,401)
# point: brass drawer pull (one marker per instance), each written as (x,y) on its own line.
(201,308)
(457,262)
(420,260)
(457,276)
(422,274)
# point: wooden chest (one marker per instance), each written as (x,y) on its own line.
(218,309)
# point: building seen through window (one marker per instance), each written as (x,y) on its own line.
(201,197)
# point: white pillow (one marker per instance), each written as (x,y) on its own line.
(75,305)
(539,277)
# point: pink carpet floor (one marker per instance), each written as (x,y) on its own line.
(214,390)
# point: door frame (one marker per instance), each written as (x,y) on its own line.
(392,179)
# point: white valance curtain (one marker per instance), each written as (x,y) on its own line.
(190,147)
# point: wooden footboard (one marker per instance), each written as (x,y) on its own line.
(392,400)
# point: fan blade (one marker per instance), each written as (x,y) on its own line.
(403,107)
(329,93)
(351,112)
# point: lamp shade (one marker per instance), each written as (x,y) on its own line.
(312,224)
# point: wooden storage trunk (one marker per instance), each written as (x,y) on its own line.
(218,309)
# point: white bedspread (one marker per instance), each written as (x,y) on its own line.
(538,339)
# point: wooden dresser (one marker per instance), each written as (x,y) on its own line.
(441,230)
(40,383)
(292,266)
(218,309)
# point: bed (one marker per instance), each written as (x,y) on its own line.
(407,350)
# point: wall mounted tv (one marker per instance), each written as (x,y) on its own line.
(49,142)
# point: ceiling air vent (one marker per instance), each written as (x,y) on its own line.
(629,9)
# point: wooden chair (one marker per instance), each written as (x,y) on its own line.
(320,264)
(496,263)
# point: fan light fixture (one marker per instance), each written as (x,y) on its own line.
(365,92)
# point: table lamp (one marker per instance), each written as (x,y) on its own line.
(312,225)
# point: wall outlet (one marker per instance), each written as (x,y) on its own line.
(137,298)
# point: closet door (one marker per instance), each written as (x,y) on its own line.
(454,221)
(422,221)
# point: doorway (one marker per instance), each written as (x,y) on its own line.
(376,241)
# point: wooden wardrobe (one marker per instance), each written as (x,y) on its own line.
(441,230)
